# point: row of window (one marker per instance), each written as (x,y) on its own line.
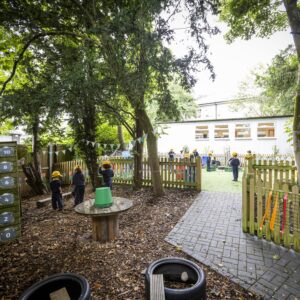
(242,131)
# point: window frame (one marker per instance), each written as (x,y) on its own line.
(239,126)
(269,127)
(197,129)
(216,129)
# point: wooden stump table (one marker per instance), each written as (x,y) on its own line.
(105,221)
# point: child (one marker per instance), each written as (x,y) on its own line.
(55,186)
(78,184)
(195,153)
(171,155)
(208,161)
(107,173)
(234,163)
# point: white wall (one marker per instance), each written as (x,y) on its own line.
(181,134)
(10,138)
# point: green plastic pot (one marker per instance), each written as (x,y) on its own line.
(103,197)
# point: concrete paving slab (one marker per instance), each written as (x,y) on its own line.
(211,232)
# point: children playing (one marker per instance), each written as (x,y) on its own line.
(107,173)
(55,186)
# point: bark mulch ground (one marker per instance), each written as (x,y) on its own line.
(54,242)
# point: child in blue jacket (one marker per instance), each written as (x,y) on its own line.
(107,174)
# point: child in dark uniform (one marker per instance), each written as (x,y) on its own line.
(107,173)
(234,163)
(208,162)
(171,155)
(79,186)
(55,186)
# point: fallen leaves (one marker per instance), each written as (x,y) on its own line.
(53,242)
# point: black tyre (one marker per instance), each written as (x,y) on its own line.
(172,269)
(77,287)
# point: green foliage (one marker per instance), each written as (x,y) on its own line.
(182,106)
(55,134)
(279,82)
(277,85)
(253,18)
(288,128)
(6,127)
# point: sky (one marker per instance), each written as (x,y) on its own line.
(232,63)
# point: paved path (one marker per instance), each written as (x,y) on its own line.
(210,231)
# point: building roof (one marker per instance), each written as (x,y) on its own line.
(228,119)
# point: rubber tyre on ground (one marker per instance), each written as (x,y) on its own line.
(77,287)
(172,269)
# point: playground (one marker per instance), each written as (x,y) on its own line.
(221,181)
(54,242)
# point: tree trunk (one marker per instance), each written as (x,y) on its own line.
(152,153)
(293,13)
(296,126)
(121,138)
(92,165)
(33,171)
(87,142)
(138,157)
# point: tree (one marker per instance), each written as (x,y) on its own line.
(185,106)
(6,126)
(279,83)
(271,89)
(27,105)
(139,66)
(262,18)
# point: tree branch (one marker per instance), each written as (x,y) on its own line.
(121,119)
(85,11)
(19,57)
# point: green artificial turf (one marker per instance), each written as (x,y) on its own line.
(221,181)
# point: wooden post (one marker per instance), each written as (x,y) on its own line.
(271,183)
(105,228)
(293,171)
(296,225)
(259,207)
(276,233)
(268,212)
(198,174)
(286,232)
(245,207)
(251,214)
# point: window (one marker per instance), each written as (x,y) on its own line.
(221,132)
(201,132)
(242,131)
(265,130)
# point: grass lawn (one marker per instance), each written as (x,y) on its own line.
(221,181)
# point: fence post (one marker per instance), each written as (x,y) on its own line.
(259,207)
(198,173)
(246,194)
(296,225)
(245,208)
(50,166)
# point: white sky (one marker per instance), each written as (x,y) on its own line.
(232,62)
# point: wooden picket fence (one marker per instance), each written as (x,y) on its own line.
(180,174)
(271,202)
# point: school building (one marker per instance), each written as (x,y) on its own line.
(261,135)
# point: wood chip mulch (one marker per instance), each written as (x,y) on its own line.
(54,242)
